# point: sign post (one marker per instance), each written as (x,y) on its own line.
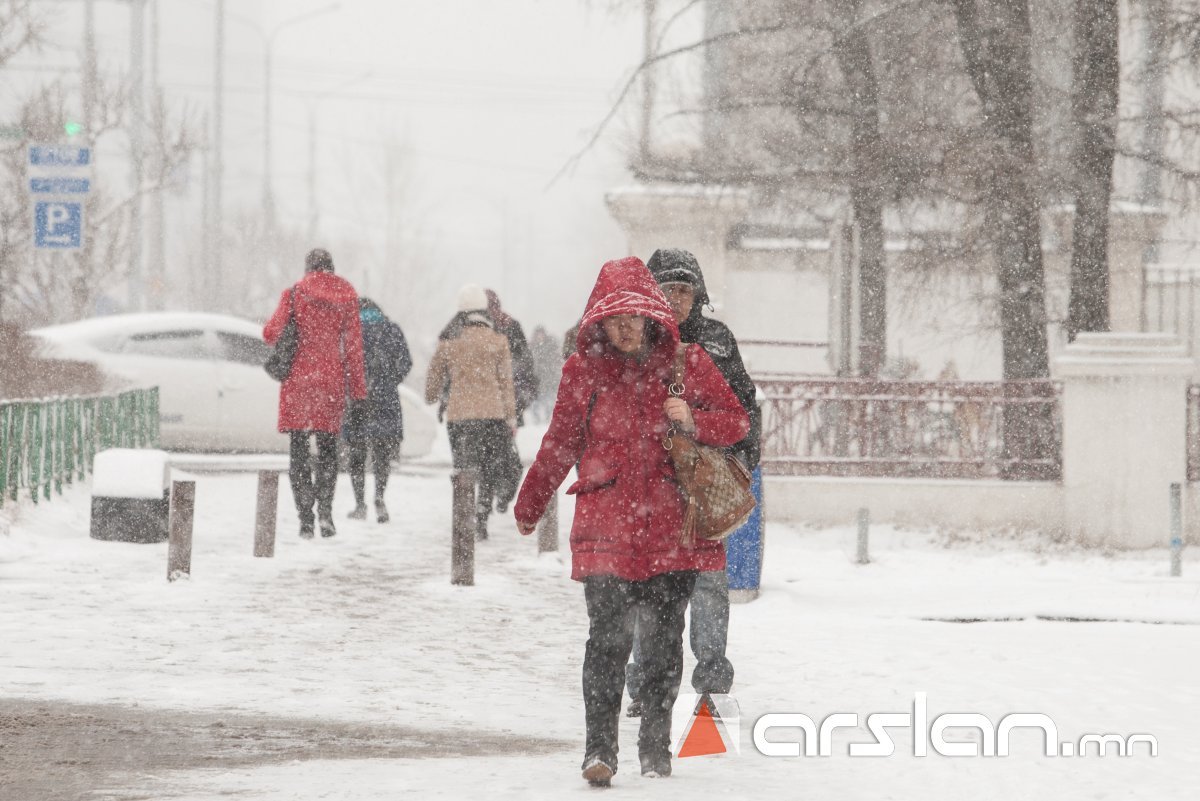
(59,182)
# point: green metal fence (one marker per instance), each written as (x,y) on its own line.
(47,443)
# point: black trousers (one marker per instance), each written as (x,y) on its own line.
(612,603)
(482,446)
(382,452)
(313,483)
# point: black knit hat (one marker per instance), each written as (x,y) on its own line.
(318,260)
(675,266)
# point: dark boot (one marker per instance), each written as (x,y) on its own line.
(654,740)
(359,512)
(599,770)
(326,524)
(656,766)
(381,512)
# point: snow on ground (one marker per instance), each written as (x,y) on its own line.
(366,628)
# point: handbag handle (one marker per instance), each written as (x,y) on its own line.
(675,388)
(678,369)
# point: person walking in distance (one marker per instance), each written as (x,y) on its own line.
(525,380)
(611,416)
(678,275)
(472,371)
(525,387)
(376,425)
(327,368)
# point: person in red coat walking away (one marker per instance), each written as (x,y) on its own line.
(611,417)
(327,368)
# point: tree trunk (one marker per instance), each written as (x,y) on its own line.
(1094,95)
(995,39)
(868,185)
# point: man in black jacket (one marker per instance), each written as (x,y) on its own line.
(678,275)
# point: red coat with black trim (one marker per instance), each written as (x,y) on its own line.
(328,365)
(609,419)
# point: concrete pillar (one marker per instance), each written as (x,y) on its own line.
(1124,410)
(695,218)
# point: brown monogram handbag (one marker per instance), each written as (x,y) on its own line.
(715,485)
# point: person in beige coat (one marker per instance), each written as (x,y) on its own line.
(471,374)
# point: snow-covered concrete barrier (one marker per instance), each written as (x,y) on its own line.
(130,500)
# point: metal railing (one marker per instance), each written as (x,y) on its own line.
(1170,301)
(48,443)
(928,429)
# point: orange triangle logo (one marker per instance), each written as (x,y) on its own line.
(703,737)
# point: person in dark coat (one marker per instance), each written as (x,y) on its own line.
(327,369)
(525,384)
(376,425)
(525,380)
(678,274)
(610,417)
(676,271)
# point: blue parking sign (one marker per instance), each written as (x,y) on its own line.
(58,224)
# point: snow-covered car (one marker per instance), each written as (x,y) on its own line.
(213,392)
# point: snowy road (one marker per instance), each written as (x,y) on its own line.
(357,648)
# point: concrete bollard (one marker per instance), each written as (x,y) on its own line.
(1176,530)
(179,551)
(547,528)
(265,511)
(864,526)
(462,537)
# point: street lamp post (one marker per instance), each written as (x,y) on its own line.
(268,52)
(137,40)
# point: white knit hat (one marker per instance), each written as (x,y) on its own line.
(472,298)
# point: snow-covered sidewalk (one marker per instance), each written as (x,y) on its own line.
(366,628)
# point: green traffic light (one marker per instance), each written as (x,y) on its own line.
(73,128)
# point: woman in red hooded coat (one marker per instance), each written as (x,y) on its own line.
(611,417)
(327,368)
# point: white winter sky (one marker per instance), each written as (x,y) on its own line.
(490,98)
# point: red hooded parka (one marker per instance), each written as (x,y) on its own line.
(628,508)
(329,360)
